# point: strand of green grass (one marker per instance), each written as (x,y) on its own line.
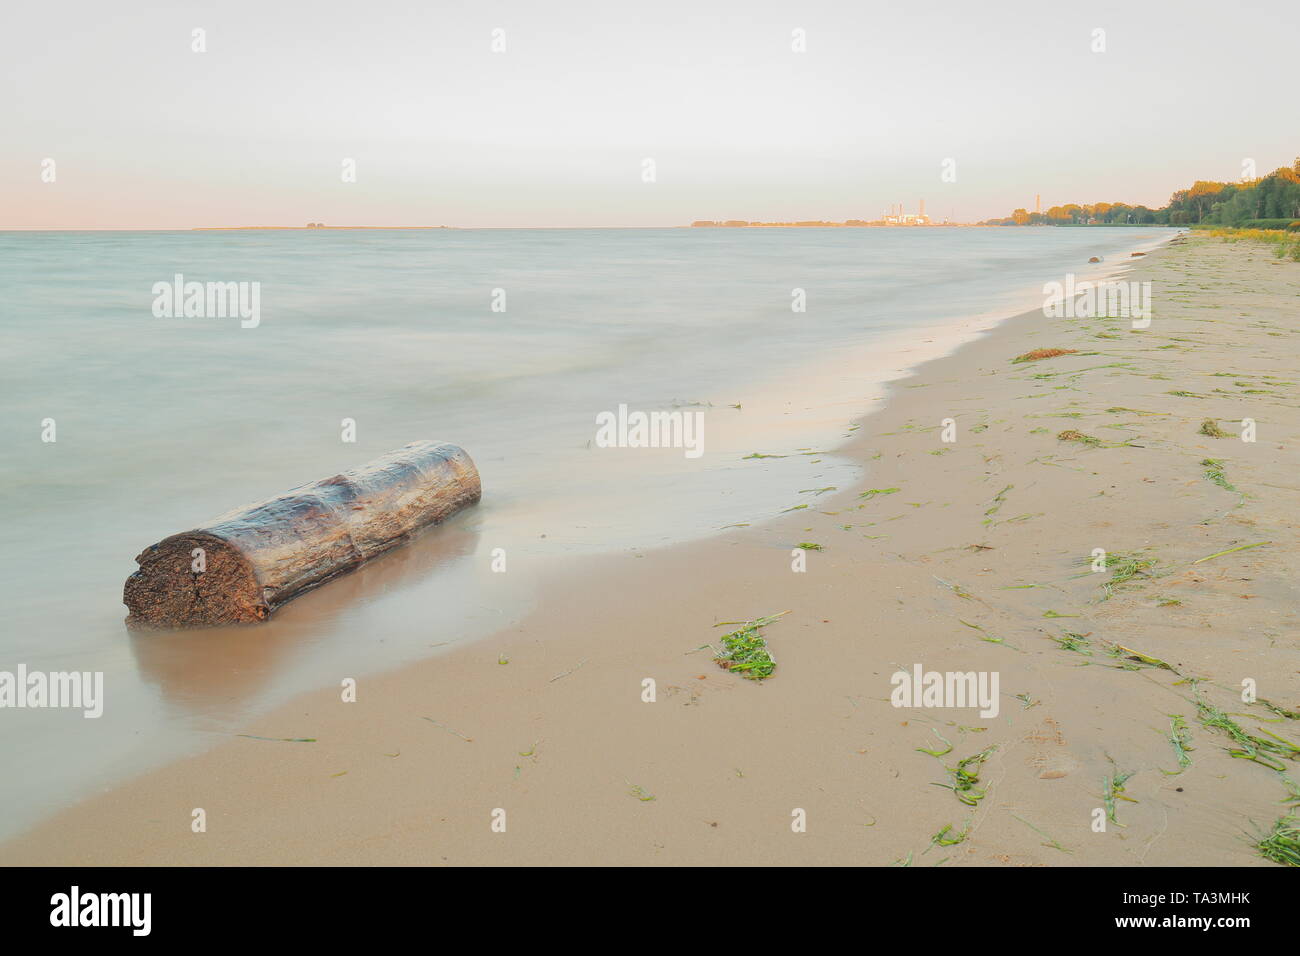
(1180,737)
(1052,843)
(937,753)
(1115,791)
(1244,547)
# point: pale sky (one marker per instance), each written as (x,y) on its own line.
(146,133)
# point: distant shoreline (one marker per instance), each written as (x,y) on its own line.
(819,224)
(312,228)
(857,224)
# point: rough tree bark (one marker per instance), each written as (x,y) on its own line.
(239,567)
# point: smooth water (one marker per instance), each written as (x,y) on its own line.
(162,423)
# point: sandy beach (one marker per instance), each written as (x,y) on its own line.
(964,555)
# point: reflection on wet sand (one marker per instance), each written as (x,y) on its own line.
(222,670)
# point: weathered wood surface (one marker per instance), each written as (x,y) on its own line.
(256,558)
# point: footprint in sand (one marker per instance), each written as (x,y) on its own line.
(1048,751)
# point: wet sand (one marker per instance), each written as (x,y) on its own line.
(979,561)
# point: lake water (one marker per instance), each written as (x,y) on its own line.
(162,423)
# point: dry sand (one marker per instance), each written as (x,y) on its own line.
(987,539)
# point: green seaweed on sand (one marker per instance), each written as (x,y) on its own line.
(1036,355)
(1278,709)
(946,837)
(1070,641)
(1120,410)
(1180,738)
(984,635)
(1077,436)
(1134,659)
(1281,844)
(1114,790)
(755,454)
(966,775)
(639,792)
(1210,428)
(937,753)
(878,491)
(809,546)
(1124,566)
(998,499)
(1214,472)
(1249,747)
(744,649)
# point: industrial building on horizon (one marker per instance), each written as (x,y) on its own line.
(895,216)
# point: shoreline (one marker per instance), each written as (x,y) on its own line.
(549,497)
(575,697)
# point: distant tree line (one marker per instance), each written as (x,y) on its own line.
(1273,200)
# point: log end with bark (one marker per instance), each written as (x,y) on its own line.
(241,566)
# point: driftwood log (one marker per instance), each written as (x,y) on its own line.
(239,567)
